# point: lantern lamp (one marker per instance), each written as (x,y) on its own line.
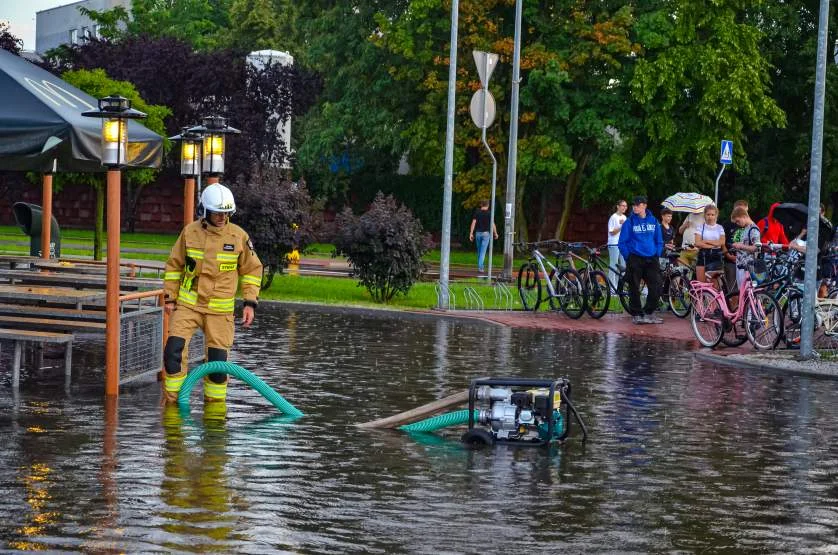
(114,111)
(213,130)
(190,152)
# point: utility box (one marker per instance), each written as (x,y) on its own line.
(29,218)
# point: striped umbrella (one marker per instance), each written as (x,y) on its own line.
(687,202)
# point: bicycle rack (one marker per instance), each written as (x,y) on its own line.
(503,295)
(473,300)
(452,299)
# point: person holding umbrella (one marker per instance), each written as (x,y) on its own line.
(693,204)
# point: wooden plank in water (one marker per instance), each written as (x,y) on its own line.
(419,412)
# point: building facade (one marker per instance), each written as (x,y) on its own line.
(66,25)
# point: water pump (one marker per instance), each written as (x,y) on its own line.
(519,411)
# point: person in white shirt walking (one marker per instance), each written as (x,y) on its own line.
(615,224)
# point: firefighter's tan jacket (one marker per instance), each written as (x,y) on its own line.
(206,265)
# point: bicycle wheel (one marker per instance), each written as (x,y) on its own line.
(706,320)
(734,333)
(529,286)
(764,321)
(792,316)
(679,295)
(623,288)
(598,294)
(570,293)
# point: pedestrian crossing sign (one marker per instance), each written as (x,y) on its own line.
(727,152)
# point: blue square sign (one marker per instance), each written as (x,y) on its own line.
(726,152)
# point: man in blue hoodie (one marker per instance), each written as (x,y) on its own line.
(640,244)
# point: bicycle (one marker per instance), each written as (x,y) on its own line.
(564,286)
(711,315)
(595,284)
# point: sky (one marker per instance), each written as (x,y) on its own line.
(20,14)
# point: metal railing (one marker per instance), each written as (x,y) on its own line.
(143,327)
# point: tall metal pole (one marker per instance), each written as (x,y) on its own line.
(511,169)
(112,285)
(810,283)
(445,246)
(716,196)
(494,176)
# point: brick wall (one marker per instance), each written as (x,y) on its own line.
(160,208)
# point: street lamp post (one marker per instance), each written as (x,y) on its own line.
(190,168)
(213,130)
(114,111)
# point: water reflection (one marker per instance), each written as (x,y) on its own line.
(681,456)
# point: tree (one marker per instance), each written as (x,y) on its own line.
(779,158)
(357,123)
(201,23)
(195,84)
(384,246)
(8,41)
(702,78)
(572,90)
(97,84)
(277,215)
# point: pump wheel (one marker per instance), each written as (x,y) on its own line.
(477,438)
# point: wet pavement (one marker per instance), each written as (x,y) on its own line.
(682,455)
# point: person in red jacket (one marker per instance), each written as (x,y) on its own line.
(771,230)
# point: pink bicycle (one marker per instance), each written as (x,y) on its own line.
(759,313)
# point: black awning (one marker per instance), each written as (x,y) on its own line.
(41,121)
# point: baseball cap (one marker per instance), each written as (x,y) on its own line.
(640,199)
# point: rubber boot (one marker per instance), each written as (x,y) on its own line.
(172,384)
(215,392)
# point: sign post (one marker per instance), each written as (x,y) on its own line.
(725,158)
(447,188)
(482,110)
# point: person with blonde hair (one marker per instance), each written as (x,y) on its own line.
(709,238)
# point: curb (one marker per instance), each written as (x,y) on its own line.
(776,368)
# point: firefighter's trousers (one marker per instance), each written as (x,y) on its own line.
(218,338)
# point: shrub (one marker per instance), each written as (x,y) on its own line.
(268,209)
(384,246)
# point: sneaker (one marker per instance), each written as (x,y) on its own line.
(652,319)
(638,319)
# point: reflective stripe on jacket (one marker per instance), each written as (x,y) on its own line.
(223,259)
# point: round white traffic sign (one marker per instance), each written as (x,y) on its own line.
(482,118)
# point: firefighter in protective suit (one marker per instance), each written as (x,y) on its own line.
(208,262)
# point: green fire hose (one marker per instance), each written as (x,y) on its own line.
(440,421)
(236,371)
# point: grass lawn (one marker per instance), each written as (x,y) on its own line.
(335,290)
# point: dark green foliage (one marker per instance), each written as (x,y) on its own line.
(384,246)
(269,208)
(8,41)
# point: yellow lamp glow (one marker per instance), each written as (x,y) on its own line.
(190,163)
(114,141)
(214,153)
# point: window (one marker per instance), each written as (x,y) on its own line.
(97,31)
(74,36)
(85,33)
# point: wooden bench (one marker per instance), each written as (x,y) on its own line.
(75,280)
(51,312)
(51,324)
(21,336)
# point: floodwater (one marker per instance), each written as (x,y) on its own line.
(681,456)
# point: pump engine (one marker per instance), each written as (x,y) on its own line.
(516,410)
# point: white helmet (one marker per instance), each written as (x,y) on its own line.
(217,198)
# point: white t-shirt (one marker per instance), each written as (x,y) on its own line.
(614,222)
(710,232)
(694,221)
